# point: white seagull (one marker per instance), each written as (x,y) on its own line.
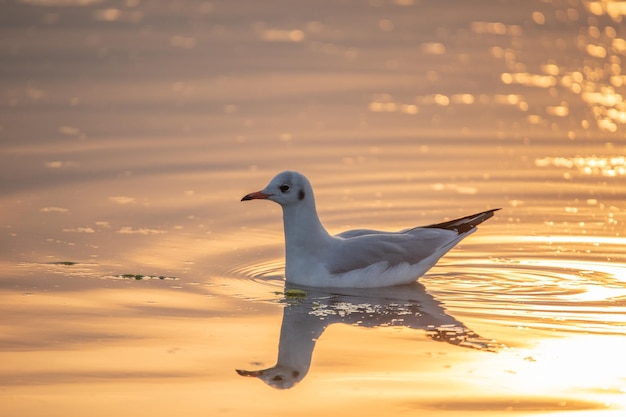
(360,258)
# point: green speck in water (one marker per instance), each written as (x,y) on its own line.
(68,263)
(295,293)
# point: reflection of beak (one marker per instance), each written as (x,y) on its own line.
(255,196)
(249,373)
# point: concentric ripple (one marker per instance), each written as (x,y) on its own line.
(559,294)
(264,270)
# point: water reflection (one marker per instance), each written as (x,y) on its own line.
(306,317)
(129,128)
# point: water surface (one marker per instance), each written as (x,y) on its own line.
(135,281)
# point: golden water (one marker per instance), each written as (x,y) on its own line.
(135,281)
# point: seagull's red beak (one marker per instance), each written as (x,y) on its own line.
(255,196)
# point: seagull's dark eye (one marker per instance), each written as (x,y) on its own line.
(277,378)
(284,188)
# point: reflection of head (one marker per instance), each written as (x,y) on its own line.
(279,377)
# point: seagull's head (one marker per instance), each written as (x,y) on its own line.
(287,188)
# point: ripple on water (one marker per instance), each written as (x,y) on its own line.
(264,270)
(523,290)
(254,280)
(559,294)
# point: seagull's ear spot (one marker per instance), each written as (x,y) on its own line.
(301,195)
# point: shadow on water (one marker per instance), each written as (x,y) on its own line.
(309,311)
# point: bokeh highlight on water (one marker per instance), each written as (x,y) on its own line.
(133,280)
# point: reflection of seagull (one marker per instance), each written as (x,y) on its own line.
(305,319)
(356,258)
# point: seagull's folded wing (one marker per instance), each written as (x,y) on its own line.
(361,251)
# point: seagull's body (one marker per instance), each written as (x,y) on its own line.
(356,258)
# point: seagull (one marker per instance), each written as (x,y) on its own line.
(362,258)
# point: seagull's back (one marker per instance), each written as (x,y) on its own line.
(393,258)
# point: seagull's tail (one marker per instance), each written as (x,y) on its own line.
(464,224)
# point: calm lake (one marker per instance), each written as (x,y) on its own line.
(133,281)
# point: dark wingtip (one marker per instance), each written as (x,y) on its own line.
(465,224)
(246,198)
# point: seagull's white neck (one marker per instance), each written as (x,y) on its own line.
(304,233)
